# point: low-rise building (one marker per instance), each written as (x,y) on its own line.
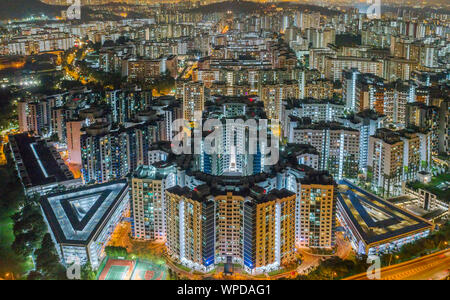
(375,226)
(81,221)
(39,165)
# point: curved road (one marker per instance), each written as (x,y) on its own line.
(434,266)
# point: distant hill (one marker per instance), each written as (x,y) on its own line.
(234,6)
(310,7)
(18,9)
(247,7)
(21,9)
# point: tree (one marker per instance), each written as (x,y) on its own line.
(87,273)
(116,251)
(435,241)
(47,260)
(54,137)
(424,164)
(47,245)
(6,113)
(47,263)
(12,192)
(335,268)
(35,275)
(21,245)
(32,222)
(29,228)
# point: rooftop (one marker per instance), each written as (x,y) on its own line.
(374,218)
(39,160)
(439,185)
(203,192)
(76,216)
(156,171)
(388,136)
(303,123)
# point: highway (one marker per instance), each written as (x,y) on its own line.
(431,267)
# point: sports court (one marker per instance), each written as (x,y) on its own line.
(116,273)
(146,270)
(122,269)
(117,269)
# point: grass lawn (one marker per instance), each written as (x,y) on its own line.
(276,272)
(184,268)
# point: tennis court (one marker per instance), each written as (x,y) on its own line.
(116,273)
(117,269)
(146,270)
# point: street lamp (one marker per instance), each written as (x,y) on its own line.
(333,275)
(390,258)
(444,242)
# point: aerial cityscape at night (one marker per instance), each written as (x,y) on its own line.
(214,141)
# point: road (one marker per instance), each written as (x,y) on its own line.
(311,261)
(434,266)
